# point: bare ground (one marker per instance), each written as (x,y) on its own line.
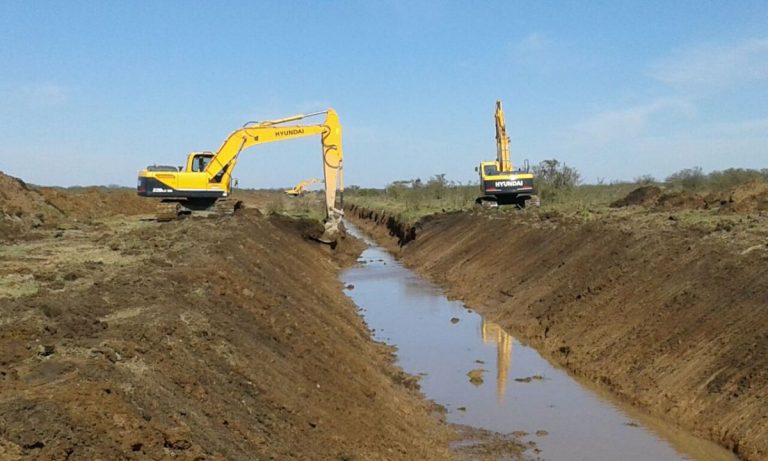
(202,339)
(217,338)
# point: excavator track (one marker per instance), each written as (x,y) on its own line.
(168,211)
(226,206)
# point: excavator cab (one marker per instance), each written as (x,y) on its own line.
(197,161)
(490,170)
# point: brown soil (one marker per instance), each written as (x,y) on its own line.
(22,208)
(668,311)
(83,204)
(25,209)
(200,339)
(218,338)
(646,195)
(745,198)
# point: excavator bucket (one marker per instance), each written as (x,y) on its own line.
(333,231)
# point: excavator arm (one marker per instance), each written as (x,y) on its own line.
(206,182)
(298,189)
(502,141)
(220,168)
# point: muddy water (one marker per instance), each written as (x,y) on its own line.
(485,378)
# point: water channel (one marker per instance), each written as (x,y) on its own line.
(514,388)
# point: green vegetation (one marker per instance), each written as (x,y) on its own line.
(415,198)
(694,179)
(559,187)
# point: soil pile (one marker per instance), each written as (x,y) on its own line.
(744,198)
(685,200)
(646,196)
(671,318)
(200,339)
(83,204)
(748,197)
(23,208)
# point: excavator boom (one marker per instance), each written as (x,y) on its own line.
(502,141)
(208,175)
(298,189)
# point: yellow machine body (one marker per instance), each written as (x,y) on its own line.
(500,183)
(207,176)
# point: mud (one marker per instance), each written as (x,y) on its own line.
(224,338)
(665,311)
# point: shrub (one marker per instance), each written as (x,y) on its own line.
(554,178)
(688,178)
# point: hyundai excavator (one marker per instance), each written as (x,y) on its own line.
(500,183)
(205,182)
(298,189)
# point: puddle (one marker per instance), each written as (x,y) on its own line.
(485,378)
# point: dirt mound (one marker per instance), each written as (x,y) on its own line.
(97,202)
(23,208)
(682,200)
(646,195)
(668,317)
(747,197)
(744,198)
(198,339)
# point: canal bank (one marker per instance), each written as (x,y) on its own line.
(457,238)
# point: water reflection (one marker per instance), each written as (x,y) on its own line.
(491,333)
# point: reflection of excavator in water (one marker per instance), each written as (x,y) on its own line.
(499,183)
(205,182)
(298,189)
(490,333)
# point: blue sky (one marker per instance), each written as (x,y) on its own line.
(91,92)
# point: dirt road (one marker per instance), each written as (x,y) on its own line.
(665,309)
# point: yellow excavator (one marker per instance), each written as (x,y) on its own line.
(298,189)
(205,182)
(500,183)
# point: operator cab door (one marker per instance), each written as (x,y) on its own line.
(194,177)
(198,161)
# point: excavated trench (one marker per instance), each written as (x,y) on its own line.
(486,378)
(663,311)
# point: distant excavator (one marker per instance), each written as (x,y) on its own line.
(500,184)
(298,189)
(205,182)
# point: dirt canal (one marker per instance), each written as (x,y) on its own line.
(485,378)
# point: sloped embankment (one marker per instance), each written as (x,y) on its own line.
(200,339)
(669,317)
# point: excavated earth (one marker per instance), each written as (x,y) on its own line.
(201,339)
(666,309)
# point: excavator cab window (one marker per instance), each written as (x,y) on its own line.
(490,170)
(200,162)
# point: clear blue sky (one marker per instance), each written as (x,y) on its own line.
(91,92)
